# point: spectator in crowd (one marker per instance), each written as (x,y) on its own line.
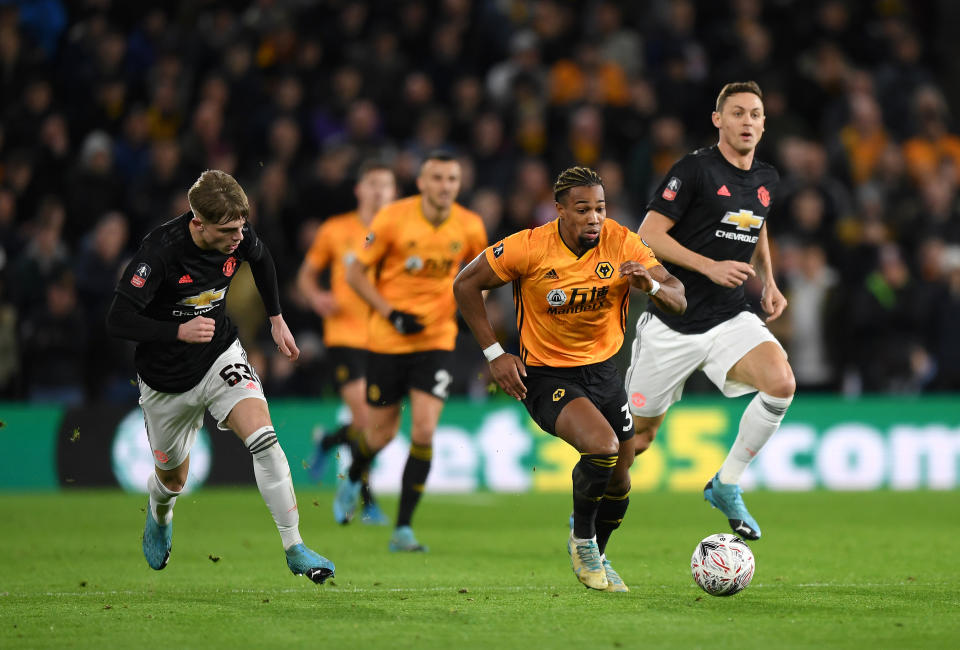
(944,344)
(9,350)
(933,145)
(92,188)
(54,338)
(808,326)
(98,263)
(43,258)
(885,330)
(863,139)
(151,193)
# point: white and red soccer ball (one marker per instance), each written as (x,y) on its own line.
(722,564)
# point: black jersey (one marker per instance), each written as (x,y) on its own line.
(171,279)
(718,210)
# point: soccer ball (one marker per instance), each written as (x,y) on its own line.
(722,564)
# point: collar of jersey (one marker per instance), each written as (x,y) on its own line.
(570,250)
(723,159)
(435,226)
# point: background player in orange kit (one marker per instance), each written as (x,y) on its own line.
(417,245)
(571,281)
(345,315)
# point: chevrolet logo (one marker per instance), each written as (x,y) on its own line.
(204,299)
(743,220)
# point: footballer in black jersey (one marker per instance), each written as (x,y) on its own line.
(717,210)
(171,299)
(707,224)
(171,281)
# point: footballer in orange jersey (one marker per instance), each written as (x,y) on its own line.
(416,247)
(571,282)
(345,315)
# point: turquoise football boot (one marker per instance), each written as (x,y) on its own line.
(403,540)
(304,562)
(157,541)
(727,499)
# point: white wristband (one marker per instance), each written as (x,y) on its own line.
(493,351)
(654,289)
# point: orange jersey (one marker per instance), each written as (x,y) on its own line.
(571,311)
(415,263)
(335,245)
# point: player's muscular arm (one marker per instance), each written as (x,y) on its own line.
(477,277)
(655,232)
(357,278)
(283,338)
(670,296)
(322,302)
(773,302)
(125,321)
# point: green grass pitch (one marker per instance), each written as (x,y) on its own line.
(834,570)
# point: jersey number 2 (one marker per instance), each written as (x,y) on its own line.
(443,379)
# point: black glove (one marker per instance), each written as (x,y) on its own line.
(405,323)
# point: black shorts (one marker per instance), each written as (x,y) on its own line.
(391,376)
(550,389)
(346,365)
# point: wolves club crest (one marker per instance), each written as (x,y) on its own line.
(230,266)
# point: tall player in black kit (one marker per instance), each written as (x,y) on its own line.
(171,300)
(707,224)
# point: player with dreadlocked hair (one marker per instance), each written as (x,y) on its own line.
(575,177)
(571,280)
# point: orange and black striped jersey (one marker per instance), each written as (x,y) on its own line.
(571,311)
(415,263)
(335,245)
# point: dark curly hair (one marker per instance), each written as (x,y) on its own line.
(574,177)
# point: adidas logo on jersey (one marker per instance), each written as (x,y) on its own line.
(185,279)
(551,275)
(723,191)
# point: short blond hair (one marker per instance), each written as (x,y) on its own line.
(217,197)
(735,88)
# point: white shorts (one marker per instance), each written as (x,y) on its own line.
(662,359)
(173,419)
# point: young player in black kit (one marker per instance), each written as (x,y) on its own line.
(706,223)
(171,300)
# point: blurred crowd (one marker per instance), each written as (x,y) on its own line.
(111,109)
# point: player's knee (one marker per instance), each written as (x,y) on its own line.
(784,385)
(643,439)
(359,422)
(602,444)
(422,433)
(380,437)
(619,484)
(173,483)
